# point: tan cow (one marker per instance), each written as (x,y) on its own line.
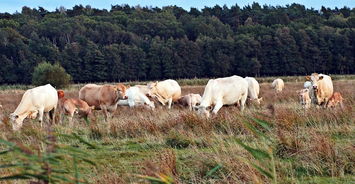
(191,100)
(104,97)
(278,85)
(304,98)
(71,106)
(167,91)
(322,86)
(335,99)
(253,89)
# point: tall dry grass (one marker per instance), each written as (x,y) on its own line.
(178,143)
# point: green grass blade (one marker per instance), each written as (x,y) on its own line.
(257,153)
(212,171)
(263,171)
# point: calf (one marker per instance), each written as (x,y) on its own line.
(335,99)
(191,100)
(71,106)
(304,98)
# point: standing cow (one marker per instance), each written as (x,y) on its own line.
(323,88)
(278,85)
(253,89)
(104,97)
(223,91)
(167,91)
(39,100)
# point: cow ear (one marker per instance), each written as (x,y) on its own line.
(308,78)
(320,77)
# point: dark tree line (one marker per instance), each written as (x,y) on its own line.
(144,43)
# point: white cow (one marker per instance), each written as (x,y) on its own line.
(191,100)
(37,100)
(278,85)
(167,91)
(323,88)
(223,91)
(253,89)
(135,98)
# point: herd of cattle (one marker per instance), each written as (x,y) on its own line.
(318,89)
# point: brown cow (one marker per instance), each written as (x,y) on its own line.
(335,99)
(71,106)
(104,97)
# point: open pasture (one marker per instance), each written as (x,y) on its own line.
(316,146)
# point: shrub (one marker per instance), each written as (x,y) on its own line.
(46,73)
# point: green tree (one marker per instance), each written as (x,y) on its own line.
(46,73)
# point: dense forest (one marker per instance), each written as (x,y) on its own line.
(149,43)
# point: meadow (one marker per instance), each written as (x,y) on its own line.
(314,146)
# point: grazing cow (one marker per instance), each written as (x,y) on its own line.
(223,91)
(104,97)
(323,88)
(278,85)
(39,100)
(335,99)
(167,91)
(191,100)
(304,98)
(135,98)
(71,106)
(253,89)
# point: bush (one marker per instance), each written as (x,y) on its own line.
(46,73)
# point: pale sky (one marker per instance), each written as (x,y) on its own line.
(12,5)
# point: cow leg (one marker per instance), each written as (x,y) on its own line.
(218,106)
(170,101)
(242,102)
(104,109)
(131,103)
(53,112)
(40,112)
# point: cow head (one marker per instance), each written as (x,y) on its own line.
(16,121)
(152,87)
(121,91)
(314,78)
(60,93)
(203,111)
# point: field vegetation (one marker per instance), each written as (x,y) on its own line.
(314,146)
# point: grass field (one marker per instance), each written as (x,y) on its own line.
(316,146)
